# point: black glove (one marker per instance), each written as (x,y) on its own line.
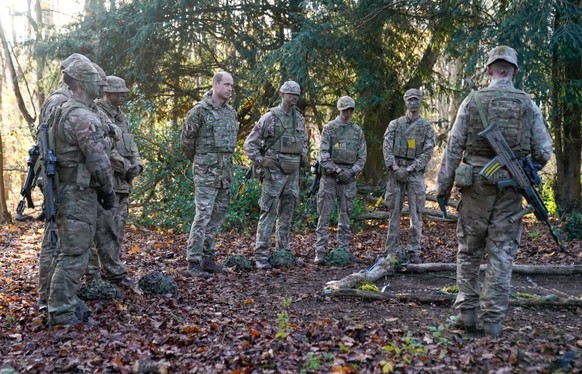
(133,171)
(268,163)
(401,175)
(106,200)
(345,176)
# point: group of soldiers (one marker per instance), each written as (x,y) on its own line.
(278,148)
(98,160)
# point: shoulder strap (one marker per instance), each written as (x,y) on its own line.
(480,109)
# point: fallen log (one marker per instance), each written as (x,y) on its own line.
(432,214)
(389,265)
(441,299)
(517,269)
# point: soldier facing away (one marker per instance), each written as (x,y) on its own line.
(483,225)
(84,180)
(408,145)
(278,144)
(52,103)
(209,137)
(342,156)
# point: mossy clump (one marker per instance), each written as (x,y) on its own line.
(158,283)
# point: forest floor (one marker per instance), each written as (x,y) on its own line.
(280,321)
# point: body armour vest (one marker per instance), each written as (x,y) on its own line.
(70,160)
(508,108)
(289,132)
(218,132)
(345,142)
(409,138)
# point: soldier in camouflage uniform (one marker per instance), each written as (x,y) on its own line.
(483,226)
(84,180)
(408,145)
(52,102)
(342,155)
(126,164)
(278,144)
(209,137)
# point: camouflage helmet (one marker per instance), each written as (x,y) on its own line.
(504,53)
(115,85)
(101,73)
(290,87)
(82,71)
(413,92)
(345,102)
(74,57)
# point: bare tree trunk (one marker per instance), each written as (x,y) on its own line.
(5,216)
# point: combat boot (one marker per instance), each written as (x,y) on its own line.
(414,258)
(467,319)
(493,329)
(195,270)
(319,258)
(210,266)
(263,264)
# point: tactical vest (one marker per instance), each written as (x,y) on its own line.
(219,130)
(510,109)
(345,142)
(409,137)
(289,132)
(71,166)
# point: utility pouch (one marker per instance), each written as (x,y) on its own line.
(83,176)
(464,175)
(291,144)
(289,163)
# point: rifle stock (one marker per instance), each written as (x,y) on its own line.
(49,160)
(524,178)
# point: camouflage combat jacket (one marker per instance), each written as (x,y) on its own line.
(342,145)
(522,124)
(409,143)
(124,152)
(209,137)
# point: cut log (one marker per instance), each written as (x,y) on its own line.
(517,269)
(442,299)
(432,214)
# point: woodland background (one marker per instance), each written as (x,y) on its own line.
(167,51)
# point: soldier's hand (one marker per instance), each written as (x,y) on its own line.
(304,161)
(106,200)
(345,176)
(401,175)
(133,171)
(268,163)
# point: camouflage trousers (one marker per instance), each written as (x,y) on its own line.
(76,222)
(415,192)
(211,208)
(483,227)
(45,260)
(105,256)
(329,189)
(279,196)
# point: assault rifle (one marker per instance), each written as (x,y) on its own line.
(524,178)
(25,192)
(49,160)
(315,170)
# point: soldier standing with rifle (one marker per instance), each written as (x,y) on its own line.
(84,180)
(487,221)
(342,155)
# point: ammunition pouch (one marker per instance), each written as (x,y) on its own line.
(289,163)
(464,175)
(78,175)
